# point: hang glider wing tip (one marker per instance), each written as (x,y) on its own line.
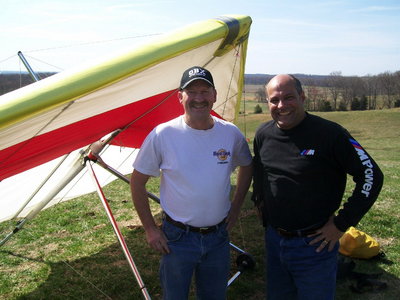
(237,34)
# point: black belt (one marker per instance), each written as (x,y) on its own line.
(299,233)
(202,230)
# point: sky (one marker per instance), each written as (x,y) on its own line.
(354,37)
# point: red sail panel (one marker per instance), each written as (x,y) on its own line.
(141,116)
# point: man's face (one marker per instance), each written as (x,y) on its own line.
(198,99)
(285,104)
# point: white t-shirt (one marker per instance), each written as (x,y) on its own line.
(195,168)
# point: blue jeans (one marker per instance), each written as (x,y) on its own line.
(207,256)
(296,271)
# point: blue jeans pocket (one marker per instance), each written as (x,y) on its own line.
(172,232)
(222,232)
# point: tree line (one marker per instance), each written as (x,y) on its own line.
(335,92)
(10,81)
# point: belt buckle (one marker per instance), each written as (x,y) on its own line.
(282,231)
(204,230)
(286,233)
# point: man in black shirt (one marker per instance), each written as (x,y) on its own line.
(301,166)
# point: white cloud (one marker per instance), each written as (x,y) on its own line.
(376,9)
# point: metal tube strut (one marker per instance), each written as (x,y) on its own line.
(118,233)
(28,67)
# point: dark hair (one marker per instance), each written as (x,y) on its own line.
(297,84)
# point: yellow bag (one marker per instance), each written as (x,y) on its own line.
(358,244)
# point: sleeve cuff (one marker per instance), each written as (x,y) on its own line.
(341,224)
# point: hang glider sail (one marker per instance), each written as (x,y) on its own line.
(133,92)
(45,125)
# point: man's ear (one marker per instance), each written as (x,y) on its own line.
(302,96)
(180,96)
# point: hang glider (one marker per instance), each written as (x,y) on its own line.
(125,96)
(133,92)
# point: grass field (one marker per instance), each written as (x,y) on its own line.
(70,251)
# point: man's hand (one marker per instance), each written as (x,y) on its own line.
(155,237)
(157,240)
(328,234)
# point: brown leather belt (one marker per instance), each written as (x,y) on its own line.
(202,230)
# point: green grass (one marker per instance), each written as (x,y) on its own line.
(70,251)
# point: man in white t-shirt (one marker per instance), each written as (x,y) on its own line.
(196,154)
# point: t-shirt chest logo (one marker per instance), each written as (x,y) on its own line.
(222,155)
(309,152)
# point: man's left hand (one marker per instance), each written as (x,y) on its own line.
(328,235)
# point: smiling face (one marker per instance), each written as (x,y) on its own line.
(197,100)
(285,103)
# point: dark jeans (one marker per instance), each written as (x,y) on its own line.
(295,271)
(207,256)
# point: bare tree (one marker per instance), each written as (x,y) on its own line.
(316,97)
(387,82)
(371,87)
(309,90)
(260,95)
(346,91)
(397,86)
(357,88)
(334,86)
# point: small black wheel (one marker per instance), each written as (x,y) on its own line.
(245,261)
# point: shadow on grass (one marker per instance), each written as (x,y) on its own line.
(375,282)
(106,274)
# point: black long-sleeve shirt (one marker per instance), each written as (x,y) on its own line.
(301,174)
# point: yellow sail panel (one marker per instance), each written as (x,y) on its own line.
(70,85)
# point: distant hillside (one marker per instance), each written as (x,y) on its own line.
(10,81)
(261,79)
